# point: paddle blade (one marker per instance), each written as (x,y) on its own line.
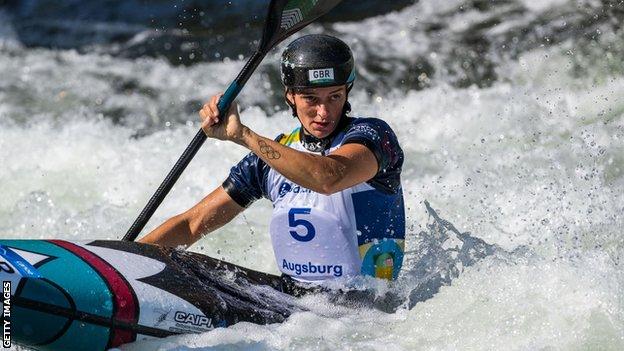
(289,16)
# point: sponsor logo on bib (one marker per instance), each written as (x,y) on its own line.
(311,268)
(286,188)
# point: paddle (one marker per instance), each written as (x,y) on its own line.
(284,18)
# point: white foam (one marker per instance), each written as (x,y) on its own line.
(540,6)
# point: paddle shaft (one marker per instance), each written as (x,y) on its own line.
(188,154)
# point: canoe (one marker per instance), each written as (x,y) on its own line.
(81,295)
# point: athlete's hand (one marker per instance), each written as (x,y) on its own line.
(215,126)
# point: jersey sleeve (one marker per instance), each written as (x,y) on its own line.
(247,180)
(381,140)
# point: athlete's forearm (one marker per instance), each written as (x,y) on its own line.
(180,230)
(317,173)
(173,233)
(210,214)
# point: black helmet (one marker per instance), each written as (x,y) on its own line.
(317,60)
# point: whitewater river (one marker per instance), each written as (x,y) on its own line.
(523,147)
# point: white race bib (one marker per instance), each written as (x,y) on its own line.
(310,244)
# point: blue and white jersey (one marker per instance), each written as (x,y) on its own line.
(359,230)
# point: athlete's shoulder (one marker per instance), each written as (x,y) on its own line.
(371,129)
(369,126)
(374,121)
(378,137)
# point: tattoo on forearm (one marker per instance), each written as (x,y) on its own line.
(268,151)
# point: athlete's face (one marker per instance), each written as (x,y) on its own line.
(319,109)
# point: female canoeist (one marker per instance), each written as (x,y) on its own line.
(334,181)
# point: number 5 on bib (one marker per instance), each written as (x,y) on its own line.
(294,222)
